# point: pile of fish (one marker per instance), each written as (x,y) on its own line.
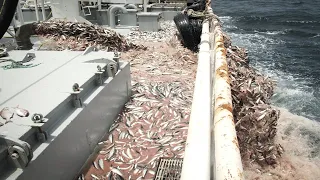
(154,124)
(256,120)
(78,36)
(166,32)
(7,113)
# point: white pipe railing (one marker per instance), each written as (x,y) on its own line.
(43,10)
(37,10)
(196,163)
(227,159)
(99,5)
(19,12)
(145,4)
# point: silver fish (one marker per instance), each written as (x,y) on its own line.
(102,143)
(111,153)
(143,160)
(129,153)
(130,132)
(144,172)
(111,138)
(21,112)
(117,171)
(125,168)
(103,152)
(124,154)
(101,164)
(6,114)
(113,127)
(136,171)
(95,165)
(94,176)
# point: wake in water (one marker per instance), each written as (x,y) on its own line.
(300,138)
(269,52)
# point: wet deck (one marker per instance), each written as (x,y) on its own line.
(154,123)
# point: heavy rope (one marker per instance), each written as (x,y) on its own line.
(203,14)
(16,65)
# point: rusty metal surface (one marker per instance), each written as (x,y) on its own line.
(227,159)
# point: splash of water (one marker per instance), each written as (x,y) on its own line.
(300,138)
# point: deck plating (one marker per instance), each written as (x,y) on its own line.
(59,125)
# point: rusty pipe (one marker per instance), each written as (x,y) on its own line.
(227,159)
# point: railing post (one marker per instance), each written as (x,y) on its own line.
(37,10)
(43,11)
(20,16)
(196,163)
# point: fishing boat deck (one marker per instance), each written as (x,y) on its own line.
(25,86)
(154,123)
(47,89)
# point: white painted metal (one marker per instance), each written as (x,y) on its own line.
(20,16)
(130,6)
(196,163)
(99,5)
(43,10)
(14,22)
(47,75)
(36,9)
(46,90)
(123,1)
(67,10)
(227,159)
(10,33)
(145,3)
(149,21)
(111,13)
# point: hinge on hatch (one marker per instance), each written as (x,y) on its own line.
(19,151)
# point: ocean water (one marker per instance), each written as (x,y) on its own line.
(283,41)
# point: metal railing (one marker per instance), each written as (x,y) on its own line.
(196,163)
(227,159)
(212,149)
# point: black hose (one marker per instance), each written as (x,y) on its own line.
(7,10)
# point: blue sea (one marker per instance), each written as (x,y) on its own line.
(283,41)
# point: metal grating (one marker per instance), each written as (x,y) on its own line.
(169,169)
